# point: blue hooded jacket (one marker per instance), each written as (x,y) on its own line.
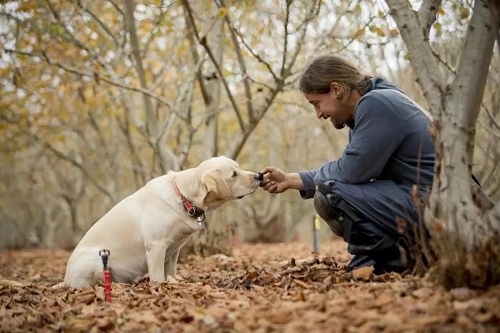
(389,140)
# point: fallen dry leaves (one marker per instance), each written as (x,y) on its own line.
(262,288)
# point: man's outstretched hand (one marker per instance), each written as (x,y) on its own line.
(274,180)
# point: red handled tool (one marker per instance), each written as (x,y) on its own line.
(107,276)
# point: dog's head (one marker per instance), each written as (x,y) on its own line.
(224,180)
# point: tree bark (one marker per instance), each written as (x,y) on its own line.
(167,159)
(465,235)
(217,234)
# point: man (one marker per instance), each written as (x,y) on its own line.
(365,196)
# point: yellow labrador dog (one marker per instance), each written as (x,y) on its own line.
(145,231)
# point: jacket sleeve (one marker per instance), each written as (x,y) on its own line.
(309,186)
(377,133)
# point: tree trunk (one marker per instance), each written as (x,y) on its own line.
(213,88)
(216,236)
(167,159)
(465,238)
(465,235)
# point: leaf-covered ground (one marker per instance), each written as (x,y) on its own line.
(262,288)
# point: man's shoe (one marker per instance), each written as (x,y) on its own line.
(360,260)
(379,267)
(324,203)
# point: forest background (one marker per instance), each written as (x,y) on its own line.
(98,97)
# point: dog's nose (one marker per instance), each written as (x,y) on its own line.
(260,177)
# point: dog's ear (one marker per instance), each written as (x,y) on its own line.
(216,185)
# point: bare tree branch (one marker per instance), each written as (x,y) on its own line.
(256,56)
(491,116)
(117,7)
(99,78)
(285,37)
(80,166)
(241,63)
(220,74)
(136,52)
(167,158)
(477,48)
(104,27)
(422,60)
(312,13)
(427,15)
(349,38)
(152,33)
(67,32)
(193,36)
(240,140)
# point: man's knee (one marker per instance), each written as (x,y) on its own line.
(335,211)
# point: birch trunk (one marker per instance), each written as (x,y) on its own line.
(216,236)
(465,234)
(167,160)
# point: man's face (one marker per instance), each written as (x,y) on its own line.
(327,106)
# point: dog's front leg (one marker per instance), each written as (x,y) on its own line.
(171,264)
(155,257)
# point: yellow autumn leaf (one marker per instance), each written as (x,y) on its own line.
(357,9)
(377,30)
(407,56)
(464,13)
(440,11)
(394,32)
(359,33)
(222,12)
(27,6)
(147,26)
(437,27)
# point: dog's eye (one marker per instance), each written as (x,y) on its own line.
(235,174)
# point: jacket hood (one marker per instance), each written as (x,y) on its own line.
(380,83)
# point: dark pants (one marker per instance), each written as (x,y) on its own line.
(383,232)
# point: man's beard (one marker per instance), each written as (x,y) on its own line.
(336,124)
